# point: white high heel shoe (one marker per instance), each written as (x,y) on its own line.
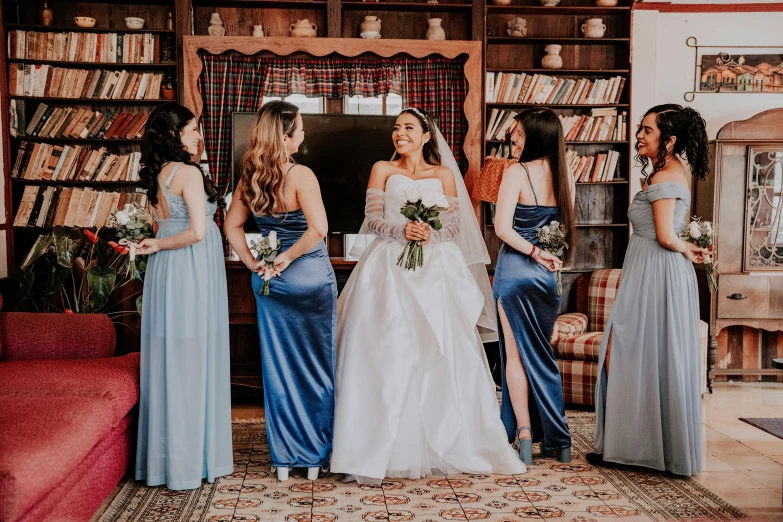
(312,473)
(282,473)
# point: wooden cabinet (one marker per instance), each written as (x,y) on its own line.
(744,199)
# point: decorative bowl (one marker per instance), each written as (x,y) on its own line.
(132,22)
(84,21)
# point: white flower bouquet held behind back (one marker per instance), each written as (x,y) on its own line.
(266,250)
(553,237)
(132,224)
(421,204)
(702,234)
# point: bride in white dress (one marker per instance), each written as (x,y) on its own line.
(414,393)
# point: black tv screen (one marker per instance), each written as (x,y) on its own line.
(341,150)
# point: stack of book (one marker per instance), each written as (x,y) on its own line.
(44,161)
(505,87)
(74,122)
(71,207)
(86,47)
(601,125)
(499,123)
(593,168)
(38,80)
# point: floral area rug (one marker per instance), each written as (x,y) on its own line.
(575,492)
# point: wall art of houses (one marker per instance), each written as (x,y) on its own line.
(726,72)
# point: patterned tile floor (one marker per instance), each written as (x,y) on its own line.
(575,493)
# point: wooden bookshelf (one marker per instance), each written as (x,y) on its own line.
(602,225)
(109,15)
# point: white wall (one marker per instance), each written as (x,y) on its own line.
(663,65)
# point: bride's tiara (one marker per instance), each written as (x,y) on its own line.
(420,114)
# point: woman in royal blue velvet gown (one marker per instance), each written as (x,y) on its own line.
(533,193)
(297,321)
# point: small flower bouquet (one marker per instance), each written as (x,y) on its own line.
(132,224)
(701,233)
(266,250)
(424,205)
(553,237)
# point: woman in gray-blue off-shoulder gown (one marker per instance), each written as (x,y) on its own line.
(648,401)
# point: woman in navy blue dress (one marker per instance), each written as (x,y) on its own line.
(533,193)
(297,321)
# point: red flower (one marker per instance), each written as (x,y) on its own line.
(117,248)
(68,311)
(91,236)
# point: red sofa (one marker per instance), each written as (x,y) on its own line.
(66,408)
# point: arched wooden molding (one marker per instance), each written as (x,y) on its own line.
(347,47)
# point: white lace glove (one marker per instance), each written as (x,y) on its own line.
(377,224)
(450,221)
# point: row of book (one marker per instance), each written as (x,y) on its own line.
(592,168)
(603,124)
(44,161)
(88,47)
(71,206)
(600,125)
(76,122)
(506,87)
(25,79)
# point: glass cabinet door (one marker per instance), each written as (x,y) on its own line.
(764,210)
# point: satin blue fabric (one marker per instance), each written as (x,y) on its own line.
(528,293)
(297,325)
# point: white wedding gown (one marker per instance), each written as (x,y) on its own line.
(414,393)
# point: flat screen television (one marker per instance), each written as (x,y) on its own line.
(341,150)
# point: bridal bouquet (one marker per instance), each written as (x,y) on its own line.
(132,224)
(553,237)
(424,205)
(701,233)
(266,250)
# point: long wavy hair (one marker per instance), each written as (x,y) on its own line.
(262,165)
(430,150)
(162,144)
(544,139)
(687,125)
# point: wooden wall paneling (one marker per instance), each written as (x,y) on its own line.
(333,18)
(596,246)
(349,48)
(478,21)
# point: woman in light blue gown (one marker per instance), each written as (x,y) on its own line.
(185,405)
(648,402)
(297,321)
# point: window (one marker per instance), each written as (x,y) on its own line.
(390,104)
(306,105)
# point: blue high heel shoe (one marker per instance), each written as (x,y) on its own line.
(525,446)
(563,454)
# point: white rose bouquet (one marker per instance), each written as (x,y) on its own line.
(701,233)
(266,250)
(424,205)
(132,224)
(553,237)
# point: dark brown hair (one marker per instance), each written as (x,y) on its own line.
(544,139)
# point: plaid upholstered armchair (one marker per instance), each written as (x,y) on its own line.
(577,338)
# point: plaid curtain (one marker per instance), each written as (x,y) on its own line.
(438,86)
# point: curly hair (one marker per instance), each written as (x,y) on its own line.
(263,177)
(430,149)
(685,124)
(162,144)
(544,139)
